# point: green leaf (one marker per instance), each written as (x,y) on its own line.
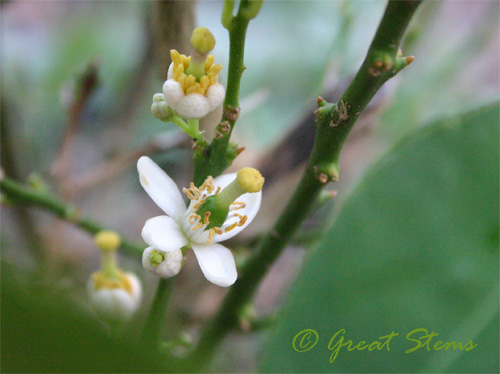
(415,247)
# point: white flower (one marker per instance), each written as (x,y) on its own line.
(184,227)
(115,300)
(188,96)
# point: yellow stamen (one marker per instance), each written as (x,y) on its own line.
(197,205)
(199,225)
(238,205)
(215,69)
(192,89)
(189,83)
(219,189)
(209,62)
(189,193)
(208,185)
(242,220)
(185,61)
(182,81)
(193,217)
(229,228)
(218,230)
(207,216)
(195,190)
(176,58)
(211,234)
(179,70)
(101,281)
(204,82)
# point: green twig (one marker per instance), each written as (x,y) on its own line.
(156,318)
(212,159)
(334,121)
(18,193)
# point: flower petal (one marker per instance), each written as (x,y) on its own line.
(252,205)
(161,188)
(172,91)
(216,263)
(164,233)
(215,95)
(192,106)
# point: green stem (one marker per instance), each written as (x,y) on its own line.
(334,122)
(179,122)
(213,159)
(25,195)
(156,318)
(194,128)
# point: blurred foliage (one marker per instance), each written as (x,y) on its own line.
(415,246)
(44,332)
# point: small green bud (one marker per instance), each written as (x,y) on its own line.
(160,108)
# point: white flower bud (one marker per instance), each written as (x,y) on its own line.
(163,264)
(114,300)
(158,97)
(160,108)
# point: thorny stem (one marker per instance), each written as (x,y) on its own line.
(17,193)
(334,121)
(212,159)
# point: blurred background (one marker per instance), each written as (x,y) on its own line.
(77,83)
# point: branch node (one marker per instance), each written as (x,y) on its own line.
(321,102)
(323,178)
(225,127)
(231,113)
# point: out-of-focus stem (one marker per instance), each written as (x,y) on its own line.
(17,193)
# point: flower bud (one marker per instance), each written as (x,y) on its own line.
(114,299)
(163,264)
(160,108)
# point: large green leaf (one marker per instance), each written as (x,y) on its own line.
(415,247)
